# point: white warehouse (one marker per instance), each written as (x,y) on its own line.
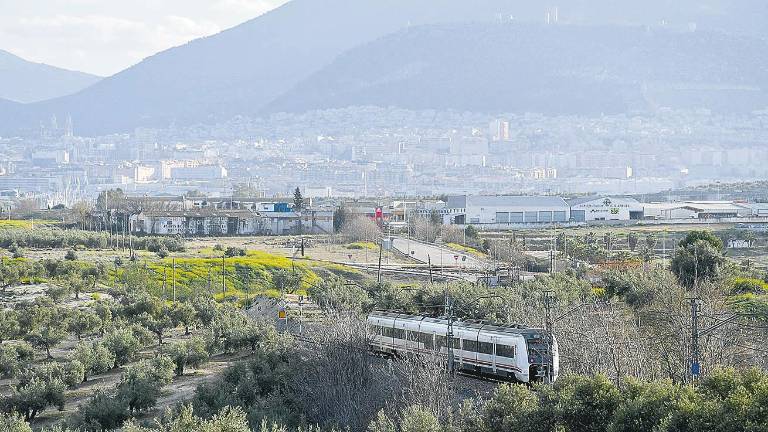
(602,208)
(507,210)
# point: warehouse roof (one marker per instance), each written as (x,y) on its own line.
(586,199)
(464,201)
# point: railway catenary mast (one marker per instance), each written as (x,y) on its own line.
(515,353)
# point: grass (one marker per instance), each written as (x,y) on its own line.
(466,249)
(24,224)
(244,276)
(362,245)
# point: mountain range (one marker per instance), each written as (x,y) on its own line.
(479,55)
(25,81)
(564,69)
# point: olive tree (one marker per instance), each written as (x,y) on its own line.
(83,322)
(140,385)
(192,353)
(9,325)
(15,358)
(698,258)
(95,357)
(123,344)
(33,397)
(48,330)
(103,411)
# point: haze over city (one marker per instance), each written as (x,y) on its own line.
(383,215)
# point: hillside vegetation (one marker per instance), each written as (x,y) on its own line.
(563,69)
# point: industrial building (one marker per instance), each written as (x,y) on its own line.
(603,208)
(696,210)
(507,210)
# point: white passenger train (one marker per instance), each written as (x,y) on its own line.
(508,352)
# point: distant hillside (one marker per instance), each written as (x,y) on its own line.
(245,69)
(242,69)
(24,81)
(8,113)
(549,69)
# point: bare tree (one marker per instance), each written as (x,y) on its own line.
(339,382)
(424,381)
(424,229)
(82,210)
(361,228)
(451,234)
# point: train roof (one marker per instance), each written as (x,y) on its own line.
(516,329)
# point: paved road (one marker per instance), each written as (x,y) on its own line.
(440,256)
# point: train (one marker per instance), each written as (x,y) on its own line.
(509,353)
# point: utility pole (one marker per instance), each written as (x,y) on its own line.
(210,291)
(695,365)
(381,252)
(549,327)
(165,278)
(449,335)
(301,315)
(429,263)
(223,278)
(552,262)
(173,277)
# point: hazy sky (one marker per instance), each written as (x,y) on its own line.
(106,36)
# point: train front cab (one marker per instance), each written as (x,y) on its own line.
(543,359)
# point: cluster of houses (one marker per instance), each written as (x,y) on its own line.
(227,216)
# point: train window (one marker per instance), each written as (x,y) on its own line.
(413,336)
(505,351)
(456,343)
(469,345)
(398,333)
(485,348)
(387,332)
(439,342)
(426,339)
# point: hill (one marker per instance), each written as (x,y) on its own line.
(550,69)
(244,69)
(25,81)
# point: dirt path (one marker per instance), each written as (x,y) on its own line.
(182,388)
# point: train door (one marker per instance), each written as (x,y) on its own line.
(494,341)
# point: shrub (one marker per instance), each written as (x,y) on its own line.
(71,255)
(232,252)
(418,419)
(13,423)
(749,286)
